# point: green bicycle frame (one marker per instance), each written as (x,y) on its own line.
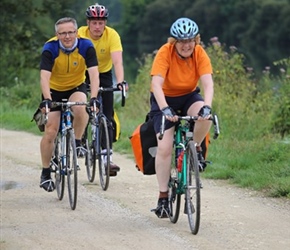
(181,139)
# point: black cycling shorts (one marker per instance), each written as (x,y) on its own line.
(179,104)
(58,96)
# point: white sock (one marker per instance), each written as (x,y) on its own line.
(111,154)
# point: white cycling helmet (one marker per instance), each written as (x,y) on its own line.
(184,28)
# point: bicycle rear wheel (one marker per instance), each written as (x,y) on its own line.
(192,194)
(174,197)
(104,153)
(71,168)
(90,159)
(56,165)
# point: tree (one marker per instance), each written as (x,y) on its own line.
(27,25)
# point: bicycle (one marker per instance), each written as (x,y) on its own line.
(64,161)
(96,140)
(184,178)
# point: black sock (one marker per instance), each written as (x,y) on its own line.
(46,172)
(163,194)
(78,143)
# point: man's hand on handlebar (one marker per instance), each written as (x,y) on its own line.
(45,105)
(94,104)
(123,84)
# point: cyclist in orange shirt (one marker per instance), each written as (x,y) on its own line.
(177,68)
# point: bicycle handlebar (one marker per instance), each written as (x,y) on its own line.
(120,87)
(63,103)
(67,104)
(189,118)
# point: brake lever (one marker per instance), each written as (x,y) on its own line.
(216,126)
(162,128)
(46,114)
(123,86)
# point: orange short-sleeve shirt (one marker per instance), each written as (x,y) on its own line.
(180,75)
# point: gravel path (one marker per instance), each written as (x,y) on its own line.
(120,218)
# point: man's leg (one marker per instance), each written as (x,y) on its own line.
(46,149)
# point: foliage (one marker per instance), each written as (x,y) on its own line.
(137,104)
(27,25)
(281,116)
(19,39)
(24,93)
(246,105)
(262,39)
(130,27)
(144,27)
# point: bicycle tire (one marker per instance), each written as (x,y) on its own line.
(174,197)
(192,194)
(56,164)
(104,153)
(71,168)
(90,158)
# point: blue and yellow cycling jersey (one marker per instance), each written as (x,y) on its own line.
(67,69)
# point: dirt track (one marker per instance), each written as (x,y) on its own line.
(120,217)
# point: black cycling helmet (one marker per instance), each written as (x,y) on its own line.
(97,11)
(184,28)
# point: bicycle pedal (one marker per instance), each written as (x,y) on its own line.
(113,173)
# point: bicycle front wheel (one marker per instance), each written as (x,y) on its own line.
(174,197)
(57,167)
(192,194)
(90,160)
(71,168)
(104,153)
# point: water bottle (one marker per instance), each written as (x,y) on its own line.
(179,161)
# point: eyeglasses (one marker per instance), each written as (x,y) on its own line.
(186,41)
(64,34)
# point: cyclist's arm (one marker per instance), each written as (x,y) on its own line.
(44,83)
(46,65)
(92,67)
(207,85)
(117,60)
(156,83)
(94,80)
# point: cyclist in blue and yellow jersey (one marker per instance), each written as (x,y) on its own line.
(179,67)
(109,51)
(64,61)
